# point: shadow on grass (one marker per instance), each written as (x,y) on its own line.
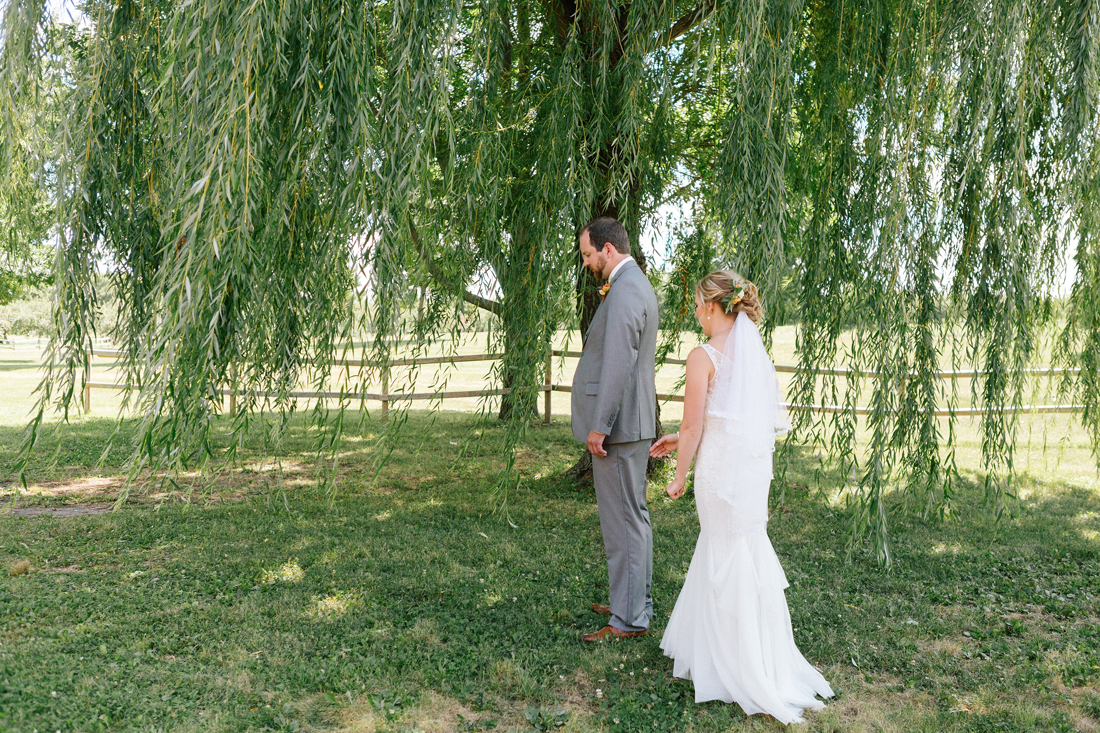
(8,365)
(440,447)
(408,598)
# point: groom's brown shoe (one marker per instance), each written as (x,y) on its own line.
(610,632)
(601,609)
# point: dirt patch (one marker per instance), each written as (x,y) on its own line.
(434,714)
(85,486)
(73,510)
(437,713)
(1087,725)
(881,704)
(222,486)
(71,484)
(1034,614)
(950,646)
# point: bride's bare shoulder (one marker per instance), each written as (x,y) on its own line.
(699,359)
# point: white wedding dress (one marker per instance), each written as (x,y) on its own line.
(730,632)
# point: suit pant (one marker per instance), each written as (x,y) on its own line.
(627,535)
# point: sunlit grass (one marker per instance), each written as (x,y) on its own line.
(405,599)
(288,572)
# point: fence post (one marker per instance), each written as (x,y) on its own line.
(547,387)
(385,387)
(233,391)
(87,388)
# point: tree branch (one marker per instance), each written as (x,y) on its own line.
(492,306)
(484,303)
(559,15)
(680,190)
(690,19)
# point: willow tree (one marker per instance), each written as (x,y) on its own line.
(908,172)
(916,175)
(946,160)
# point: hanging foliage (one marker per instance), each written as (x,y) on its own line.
(26,214)
(897,177)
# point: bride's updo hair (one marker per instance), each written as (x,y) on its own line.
(719,286)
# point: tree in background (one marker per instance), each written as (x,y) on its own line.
(908,173)
(27,218)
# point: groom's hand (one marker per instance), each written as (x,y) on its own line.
(595,443)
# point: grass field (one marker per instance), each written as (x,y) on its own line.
(407,603)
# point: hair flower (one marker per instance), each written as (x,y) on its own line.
(733,298)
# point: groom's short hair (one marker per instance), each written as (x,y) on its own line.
(604,230)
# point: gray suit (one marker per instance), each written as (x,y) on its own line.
(614,394)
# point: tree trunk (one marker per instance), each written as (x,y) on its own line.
(587,285)
(521,402)
(523,331)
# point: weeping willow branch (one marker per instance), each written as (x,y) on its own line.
(902,179)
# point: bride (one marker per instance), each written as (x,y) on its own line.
(730,632)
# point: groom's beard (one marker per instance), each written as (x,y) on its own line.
(598,267)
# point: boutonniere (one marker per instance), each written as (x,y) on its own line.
(604,290)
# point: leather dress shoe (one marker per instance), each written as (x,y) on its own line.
(610,632)
(601,609)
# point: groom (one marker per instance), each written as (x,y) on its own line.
(614,400)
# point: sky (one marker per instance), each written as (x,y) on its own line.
(65,9)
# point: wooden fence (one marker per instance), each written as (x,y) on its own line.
(386,397)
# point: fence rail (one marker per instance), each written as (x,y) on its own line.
(386,397)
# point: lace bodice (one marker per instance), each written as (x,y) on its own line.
(720,363)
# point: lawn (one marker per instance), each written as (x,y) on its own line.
(405,602)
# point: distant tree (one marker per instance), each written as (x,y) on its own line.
(27,213)
(26,258)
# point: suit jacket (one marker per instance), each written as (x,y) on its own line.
(613,388)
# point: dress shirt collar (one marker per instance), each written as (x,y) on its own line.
(619,267)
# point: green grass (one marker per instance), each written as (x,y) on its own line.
(391,607)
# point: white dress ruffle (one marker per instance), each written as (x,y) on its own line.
(730,632)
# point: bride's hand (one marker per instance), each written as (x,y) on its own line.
(665,445)
(676,489)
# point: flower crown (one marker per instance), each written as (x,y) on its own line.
(733,297)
